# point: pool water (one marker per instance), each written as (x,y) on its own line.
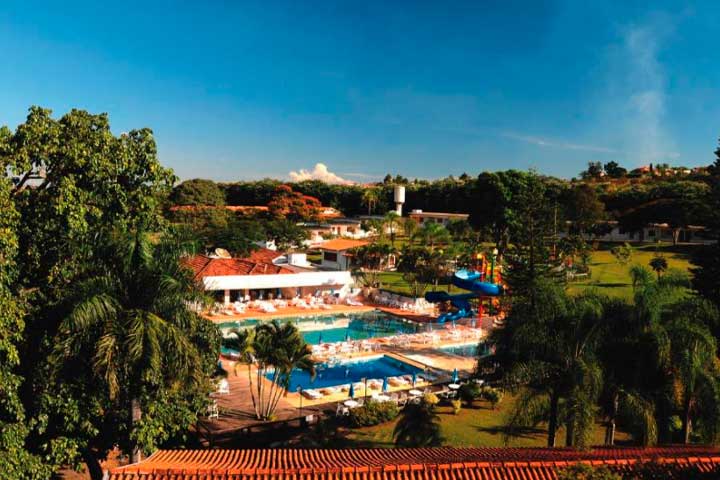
(330,375)
(338,327)
(467,350)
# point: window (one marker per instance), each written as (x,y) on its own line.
(330,256)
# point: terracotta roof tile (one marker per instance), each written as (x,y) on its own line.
(205,266)
(407,464)
(341,244)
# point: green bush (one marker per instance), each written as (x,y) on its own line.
(456,406)
(469,392)
(586,472)
(373,413)
(431,399)
(492,395)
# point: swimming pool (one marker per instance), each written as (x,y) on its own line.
(466,350)
(331,375)
(338,327)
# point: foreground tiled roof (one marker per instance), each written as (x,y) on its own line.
(263,255)
(409,463)
(342,244)
(205,266)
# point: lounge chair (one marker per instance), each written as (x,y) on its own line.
(312,394)
(223,386)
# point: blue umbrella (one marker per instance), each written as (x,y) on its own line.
(347,334)
(352,390)
(320,338)
(385,387)
(455,376)
(414,379)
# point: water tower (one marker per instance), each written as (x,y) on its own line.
(399,193)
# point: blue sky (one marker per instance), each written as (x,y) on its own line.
(244,90)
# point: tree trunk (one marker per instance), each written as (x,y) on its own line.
(92,463)
(135,416)
(552,423)
(610,428)
(686,421)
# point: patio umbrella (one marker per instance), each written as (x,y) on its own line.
(320,338)
(455,376)
(414,379)
(385,386)
(347,335)
(352,390)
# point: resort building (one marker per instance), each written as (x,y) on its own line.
(651,233)
(265,274)
(437,217)
(673,462)
(336,254)
(337,227)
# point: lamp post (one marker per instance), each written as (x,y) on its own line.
(300,390)
(492,264)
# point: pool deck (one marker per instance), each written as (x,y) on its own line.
(288,311)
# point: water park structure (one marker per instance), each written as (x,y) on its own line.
(481,283)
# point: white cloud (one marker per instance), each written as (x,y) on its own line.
(545,142)
(319,172)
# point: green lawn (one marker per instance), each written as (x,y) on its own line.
(610,277)
(607,275)
(472,427)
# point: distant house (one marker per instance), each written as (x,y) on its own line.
(336,255)
(338,227)
(437,217)
(264,274)
(651,233)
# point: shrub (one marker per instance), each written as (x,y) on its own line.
(373,413)
(586,472)
(469,392)
(492,395)
(431,399)
(456,406)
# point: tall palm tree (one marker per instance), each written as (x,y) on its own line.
(391,222)
(370,198)
(135,321)
(272,352)
(418,426)
(431,234)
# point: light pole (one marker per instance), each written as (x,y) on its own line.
(300,390)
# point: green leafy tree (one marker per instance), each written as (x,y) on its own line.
(369,261)
(392,223)
(582,471)
(198,192)
(614,170)
(583,208)
(285,233)
(15,460)
(418,426)
(420,267)
(129,330)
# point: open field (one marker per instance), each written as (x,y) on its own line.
(608,276)
(472,427)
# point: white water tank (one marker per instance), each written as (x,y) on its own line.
(399,194)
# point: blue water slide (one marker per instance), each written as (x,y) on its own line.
(466,280)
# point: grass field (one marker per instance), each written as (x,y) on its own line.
(607,275)
(472,427)
(610,277)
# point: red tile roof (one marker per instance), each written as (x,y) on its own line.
(205,266)
(409,463)
(263,255)
(339,244)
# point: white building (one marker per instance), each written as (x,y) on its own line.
(336,253)
(652,233)
(437,217)
(265,274)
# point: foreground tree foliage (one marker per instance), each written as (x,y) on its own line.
(418,426)
(129,331)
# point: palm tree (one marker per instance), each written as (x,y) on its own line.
(659,264)
(431,234)
(418,426)
(409,227)
(547,352)
(370,199)
(391,221)
(135,321)
(273,351)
